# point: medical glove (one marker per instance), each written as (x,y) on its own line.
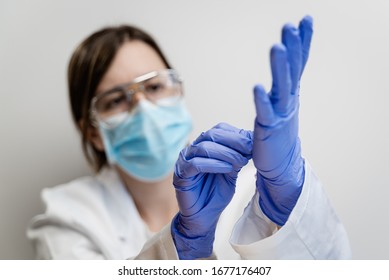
(276,147)
(204,180)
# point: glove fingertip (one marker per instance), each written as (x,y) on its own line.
(225,126)
(278,49)
(199,138)
(307,22)
(260,96)
(288,31)
(259,90)
(288,27)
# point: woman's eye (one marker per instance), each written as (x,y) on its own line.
(154,87)
(115,102)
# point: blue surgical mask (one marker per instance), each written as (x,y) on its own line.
(147,142)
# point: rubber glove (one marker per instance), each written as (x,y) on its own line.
(276,147)
(204,179)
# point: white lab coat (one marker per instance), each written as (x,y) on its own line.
(96,218)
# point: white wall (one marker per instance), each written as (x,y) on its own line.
(221,48)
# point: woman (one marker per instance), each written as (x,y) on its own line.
(127,102)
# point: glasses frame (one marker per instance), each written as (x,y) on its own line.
(129,93)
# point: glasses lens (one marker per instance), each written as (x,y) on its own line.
(111,104)
(164,85)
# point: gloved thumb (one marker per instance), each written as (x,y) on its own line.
(263,106)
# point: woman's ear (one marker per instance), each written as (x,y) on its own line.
(93,136)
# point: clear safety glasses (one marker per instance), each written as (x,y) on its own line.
(163,88)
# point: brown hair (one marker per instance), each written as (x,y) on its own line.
(87,66)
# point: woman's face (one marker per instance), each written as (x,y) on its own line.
(133,59)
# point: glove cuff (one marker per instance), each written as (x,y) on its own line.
(191,247)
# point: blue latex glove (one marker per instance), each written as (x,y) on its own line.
(276,147)
(204,179)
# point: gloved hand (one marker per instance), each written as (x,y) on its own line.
(276,147)
(204,178)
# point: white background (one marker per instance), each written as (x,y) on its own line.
(221,49)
